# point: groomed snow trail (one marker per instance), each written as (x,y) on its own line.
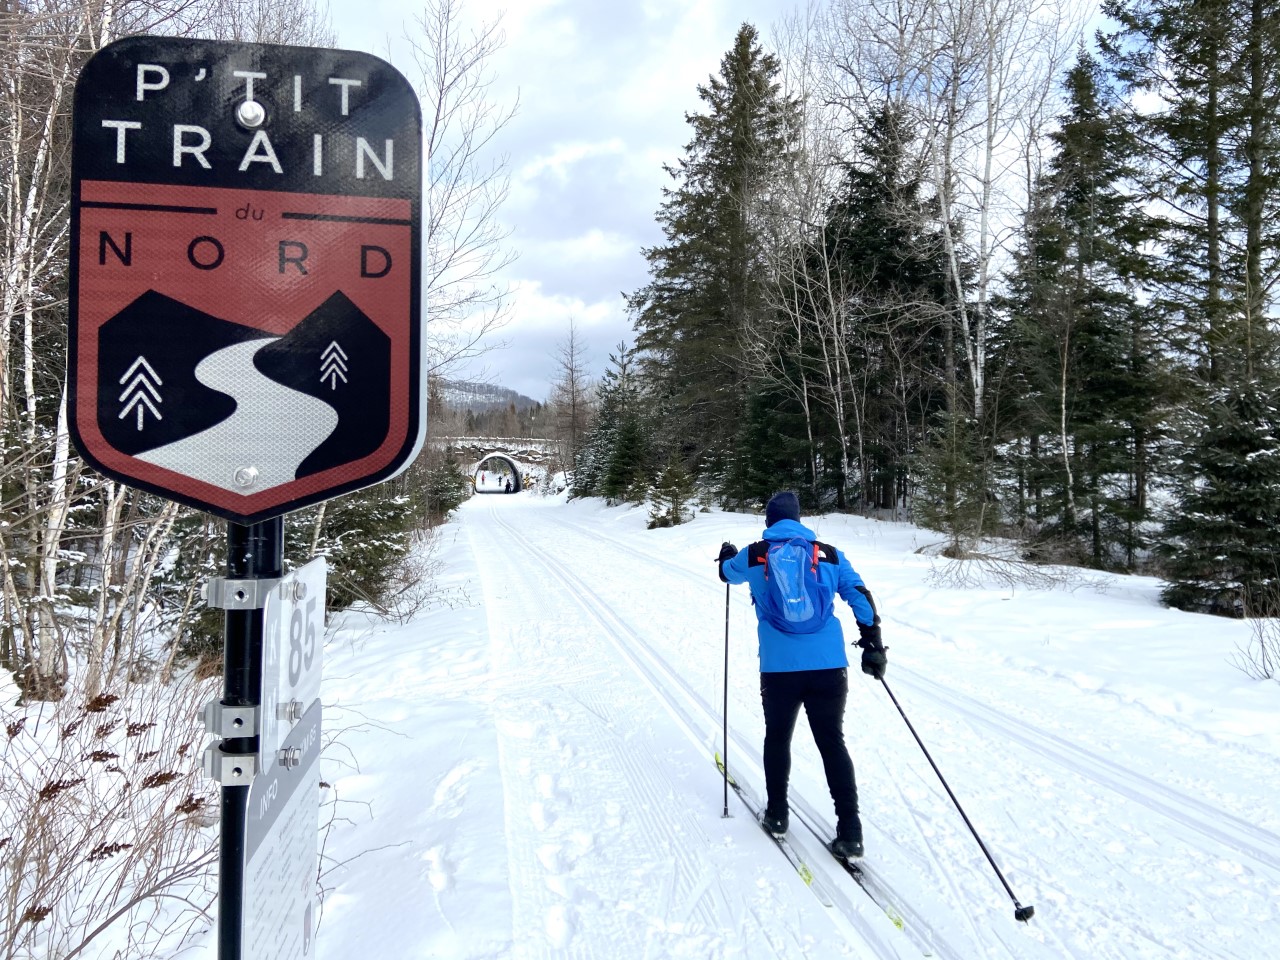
(1098,824)
(586,739)
(556,733)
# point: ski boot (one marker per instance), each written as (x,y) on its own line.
(774,824)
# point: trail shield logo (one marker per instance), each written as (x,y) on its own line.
(246,328)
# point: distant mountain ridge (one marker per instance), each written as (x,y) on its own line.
(482,397)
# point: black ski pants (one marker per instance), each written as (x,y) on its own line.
(822,693)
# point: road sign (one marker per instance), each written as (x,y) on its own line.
(245,316)
(279,916)
(292,644)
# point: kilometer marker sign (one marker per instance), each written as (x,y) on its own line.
(245,319)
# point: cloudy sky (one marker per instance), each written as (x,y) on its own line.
(603,89)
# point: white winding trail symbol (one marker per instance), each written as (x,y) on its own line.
(272,430)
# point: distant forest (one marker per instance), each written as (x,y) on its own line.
(459,408)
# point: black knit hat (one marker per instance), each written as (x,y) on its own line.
(783,506)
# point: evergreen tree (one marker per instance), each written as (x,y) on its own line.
(364,536)
(1214,68)
(439,486)
(1076,341)
(627,464)
(772,452)
(952,497)
(614,452)
(1223,531)
(670,503)
(706,279)
(856,361)
(884,251)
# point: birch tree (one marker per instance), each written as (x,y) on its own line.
(855,311)
(975,77)
(777,343)
(86,851)
(68,539)
(465,252)
(41,49)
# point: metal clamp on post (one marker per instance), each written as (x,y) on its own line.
(223,593)
(229,769)
(227,721)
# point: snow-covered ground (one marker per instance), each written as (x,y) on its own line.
(525,769)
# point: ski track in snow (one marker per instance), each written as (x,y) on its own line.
(695,716)
(566,880)
(1214,824)
(934,924)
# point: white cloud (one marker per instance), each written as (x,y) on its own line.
(538,327)
(593,247)
(563,156)
(603,91)
(518,18)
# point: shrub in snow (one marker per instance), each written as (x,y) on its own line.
(106,846)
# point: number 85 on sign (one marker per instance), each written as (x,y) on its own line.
(292,642)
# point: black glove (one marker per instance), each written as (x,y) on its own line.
(727,552)
(874,658)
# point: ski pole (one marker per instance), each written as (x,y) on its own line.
(724,712)
(1020,912)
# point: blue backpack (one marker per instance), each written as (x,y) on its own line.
(795,598)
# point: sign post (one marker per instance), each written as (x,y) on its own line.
(245,337)
(254,553)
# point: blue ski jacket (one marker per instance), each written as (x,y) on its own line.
(782,652)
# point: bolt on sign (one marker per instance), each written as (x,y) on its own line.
(245,322)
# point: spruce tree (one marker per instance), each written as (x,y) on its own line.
(1210,130)
(884,251)
(670,503)
(614,453)
(951,497)
(772,453)
(1215,65)
(706,279)
(1222,534)
(1077,343)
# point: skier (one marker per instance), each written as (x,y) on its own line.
(508,487)
(806,668)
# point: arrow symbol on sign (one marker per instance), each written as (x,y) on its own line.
(333,364)
(137,394)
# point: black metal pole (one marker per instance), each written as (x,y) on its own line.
(724,713)
(254,552)
(1020,912)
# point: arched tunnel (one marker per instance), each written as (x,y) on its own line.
(490,481)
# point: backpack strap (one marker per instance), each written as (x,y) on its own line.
(826,553)
(758,553)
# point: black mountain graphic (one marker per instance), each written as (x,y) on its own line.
(356,379)
(173,338)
